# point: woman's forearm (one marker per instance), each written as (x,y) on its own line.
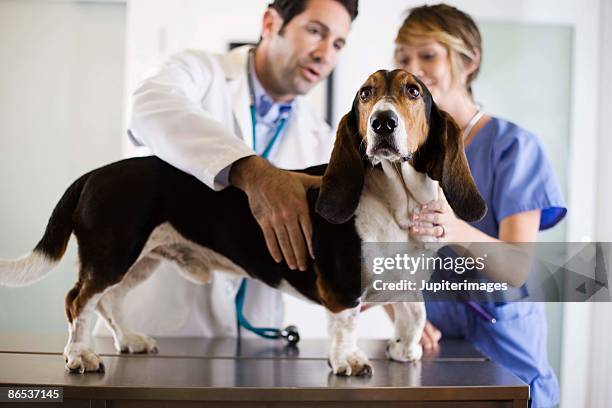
(508,262)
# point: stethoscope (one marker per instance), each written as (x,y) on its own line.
(289,333)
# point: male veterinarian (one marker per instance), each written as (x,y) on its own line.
(236,119)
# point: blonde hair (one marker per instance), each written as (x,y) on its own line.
(452,28)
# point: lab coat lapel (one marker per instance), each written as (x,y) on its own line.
(234,64)
(239,92)
(304,142)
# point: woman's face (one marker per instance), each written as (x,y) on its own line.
(430,62)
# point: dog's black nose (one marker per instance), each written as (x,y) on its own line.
(384,122)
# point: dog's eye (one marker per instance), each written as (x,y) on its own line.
(365,94)
(412,91)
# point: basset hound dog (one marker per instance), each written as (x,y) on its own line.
(392,150)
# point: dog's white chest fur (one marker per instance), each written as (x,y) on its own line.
(387,199)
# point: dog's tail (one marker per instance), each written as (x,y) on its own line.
(37,264)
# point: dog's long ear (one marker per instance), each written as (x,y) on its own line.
(443,159)
(343,180)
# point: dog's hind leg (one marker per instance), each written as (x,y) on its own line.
(80,303)
(110,305)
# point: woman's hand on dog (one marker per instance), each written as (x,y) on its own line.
(431,337)
(437,220)
(277,199)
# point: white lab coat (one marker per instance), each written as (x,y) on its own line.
(194,114)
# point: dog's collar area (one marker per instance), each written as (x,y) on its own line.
(406,158)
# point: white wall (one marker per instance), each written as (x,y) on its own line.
(604,103)
(61,89)
(599,392)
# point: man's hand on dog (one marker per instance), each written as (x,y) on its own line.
(278,202)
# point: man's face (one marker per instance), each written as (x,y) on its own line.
(305,51)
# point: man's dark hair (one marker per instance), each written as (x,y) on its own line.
(288,9)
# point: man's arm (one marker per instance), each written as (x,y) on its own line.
(168,117)
(278,201)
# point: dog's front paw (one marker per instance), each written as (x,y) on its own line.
(354,362)
(82,359)
(136,343)
(403,351)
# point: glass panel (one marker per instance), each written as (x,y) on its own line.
(61,86)
(526,77)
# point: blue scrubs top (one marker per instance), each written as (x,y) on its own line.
(513,175)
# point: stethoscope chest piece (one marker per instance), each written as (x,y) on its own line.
(291,334)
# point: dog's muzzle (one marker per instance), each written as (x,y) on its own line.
(383,123)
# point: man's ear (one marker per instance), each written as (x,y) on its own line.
(343,180)
(271,22)
(443,159)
